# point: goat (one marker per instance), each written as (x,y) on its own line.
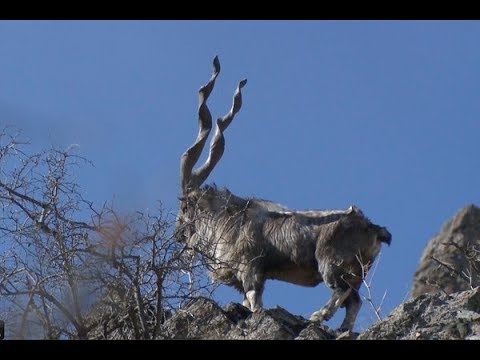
(250,240)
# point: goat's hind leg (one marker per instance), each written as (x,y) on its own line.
(352,304)
(333,276)
(336,300)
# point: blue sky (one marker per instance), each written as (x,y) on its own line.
(381,114)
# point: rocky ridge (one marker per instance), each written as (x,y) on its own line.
(428,316)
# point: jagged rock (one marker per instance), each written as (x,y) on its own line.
(316,332)
(431,316)
(456,240)
(267,324)
(202,318)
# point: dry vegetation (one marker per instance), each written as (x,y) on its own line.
(69,270)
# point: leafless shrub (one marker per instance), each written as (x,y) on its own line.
(367,279)
(71,271)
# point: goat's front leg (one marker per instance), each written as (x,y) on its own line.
(253,285)
(254,297)
(338,297)
(246,302)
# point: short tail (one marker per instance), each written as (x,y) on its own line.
(383,234)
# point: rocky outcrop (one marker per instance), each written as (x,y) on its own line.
(449,260)
(204,319)
(431,316)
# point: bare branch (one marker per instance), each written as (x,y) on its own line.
(453,270)
(368,285)
(23,197)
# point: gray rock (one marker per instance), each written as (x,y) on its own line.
(315,332)
(267,324)
(428,316)
(457,234)
(203,319)
(431,316)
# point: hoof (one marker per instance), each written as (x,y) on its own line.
(257,309)
(317,316)
(345,335)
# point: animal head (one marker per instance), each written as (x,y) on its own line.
(190,208)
